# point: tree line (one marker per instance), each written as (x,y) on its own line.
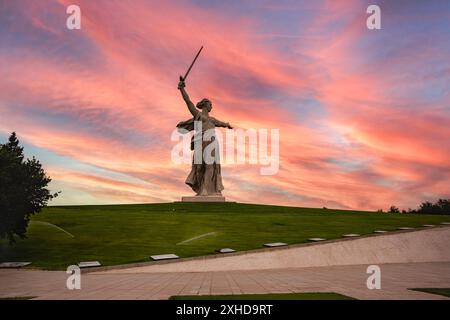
(441,206)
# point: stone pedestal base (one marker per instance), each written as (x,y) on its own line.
(203,199)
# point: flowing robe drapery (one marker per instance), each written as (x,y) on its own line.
(197,178)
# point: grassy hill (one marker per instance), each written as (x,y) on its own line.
(60,236)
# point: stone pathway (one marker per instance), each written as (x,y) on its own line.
(347,280)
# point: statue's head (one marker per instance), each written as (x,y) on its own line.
(205,103)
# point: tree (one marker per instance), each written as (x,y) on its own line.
(394,209)
(23,189)
(426,207)
(442,206)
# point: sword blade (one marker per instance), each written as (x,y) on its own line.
(192,64)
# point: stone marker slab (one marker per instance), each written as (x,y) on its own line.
(5,265)
(405,228)
(164,257)
(380,231)
(89,264)
(226,250)
(203,199)
(445,223)
(316,239)
(351,235)
(275,244)
(429,225)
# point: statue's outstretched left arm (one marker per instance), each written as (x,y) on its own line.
(219,123)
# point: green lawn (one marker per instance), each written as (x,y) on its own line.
(270,296)
(439,291)
(131,233)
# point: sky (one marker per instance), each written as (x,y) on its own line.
(363,114)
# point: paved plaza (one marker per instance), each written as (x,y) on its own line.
(347,280)
(407,259)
